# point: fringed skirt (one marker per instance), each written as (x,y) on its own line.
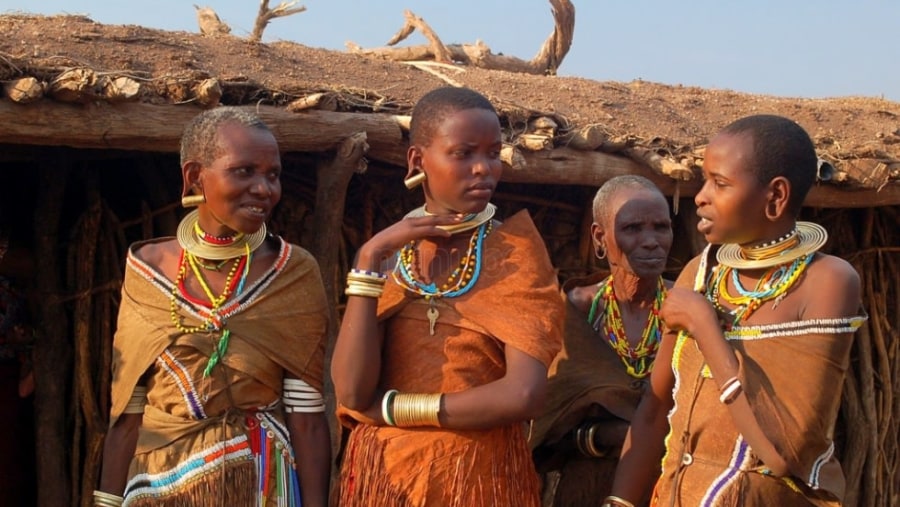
(244,465)
(387,466)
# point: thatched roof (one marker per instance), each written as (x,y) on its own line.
(131,87)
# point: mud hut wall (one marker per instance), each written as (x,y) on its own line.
(138,196)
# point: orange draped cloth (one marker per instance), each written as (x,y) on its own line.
(515,303)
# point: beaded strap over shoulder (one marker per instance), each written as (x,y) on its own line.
(700,277)
(797,328)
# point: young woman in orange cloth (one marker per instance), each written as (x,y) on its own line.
(759,333)
(218,358)
(611,335)
(451,321)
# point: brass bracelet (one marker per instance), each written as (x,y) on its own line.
(366,278)
(370,285)
(104,499)
(589,443)
(579,440)
(363,289)
(616,501)
(416,409)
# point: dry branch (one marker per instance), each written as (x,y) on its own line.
(323,101)
(208,92)
(433,72)
(74,85)
(209,22)
(534,142)
(511,156)
(119,89)
(24,90)
(660,164)
(546,61)
(413,22)
(265,15)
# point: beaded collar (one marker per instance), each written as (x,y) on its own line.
(806,238)
(471,221)
(215,248)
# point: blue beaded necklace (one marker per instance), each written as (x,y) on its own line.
(460,281)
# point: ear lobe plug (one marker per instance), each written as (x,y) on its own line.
(414,180)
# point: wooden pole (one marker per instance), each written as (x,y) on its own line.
(157,128)
(88,408)
(52,352)
(331,194)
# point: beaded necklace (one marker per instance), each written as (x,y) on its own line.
(773,284)
(212,322)
(216,240)
(638,360)
(460,281)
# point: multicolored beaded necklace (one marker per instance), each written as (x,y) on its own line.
(638,360)
(234,285)
(787,259)
(460,281)
(773,284)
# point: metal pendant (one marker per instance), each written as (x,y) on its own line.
(432,315)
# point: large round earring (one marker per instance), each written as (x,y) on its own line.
(193,200)
(415,180)
(600,252)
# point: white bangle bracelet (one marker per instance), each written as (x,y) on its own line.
(386,407)
(730,392)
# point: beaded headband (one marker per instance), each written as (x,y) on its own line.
(471,221)
(189,240)
(809,238)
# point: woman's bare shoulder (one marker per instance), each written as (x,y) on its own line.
(831,287)
(157,253)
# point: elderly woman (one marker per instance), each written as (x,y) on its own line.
(612,332)
(219,350)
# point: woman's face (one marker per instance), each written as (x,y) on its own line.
(243,184)
(731,203)
(639,235)
(461,161)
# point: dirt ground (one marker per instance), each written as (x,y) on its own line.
(281,71)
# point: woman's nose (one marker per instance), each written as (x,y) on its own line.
(262,186)
(700,199)
(481,165)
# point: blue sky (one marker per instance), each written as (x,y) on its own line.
(788,48)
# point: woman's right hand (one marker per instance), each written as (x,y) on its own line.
(383,244)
